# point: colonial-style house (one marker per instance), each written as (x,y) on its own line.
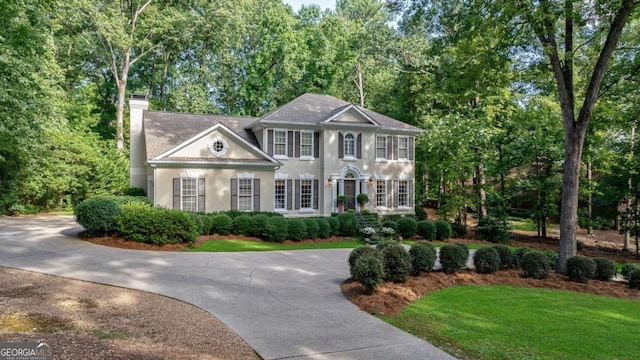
(295,160)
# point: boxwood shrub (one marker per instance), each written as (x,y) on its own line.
(391,224)
(407,227)
(259,226)
(396,262)
(443,230)
(486,260)
(313,228)
(203,222)
(335,225)
(458,229)
(494,229)
(359,251)
(297,229)
(423,257)
(452,258)
(368,270)
(98,216)
(243,225)
(277,229)
(348,224)
(324,229)
(627,269)
(581,269)
(552,257)
(535,264)
(426,230)
(634,279)
(518,254)
(156,226)
(221,224)
(507,259)
(605,269)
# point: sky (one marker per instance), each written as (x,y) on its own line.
(295,4)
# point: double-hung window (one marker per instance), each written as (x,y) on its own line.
(306,194)
(381,147)
(381,193)
(403,193)
(403,148)
(281,195)
(280,143)
(245,194)
(189,194)
(306,144)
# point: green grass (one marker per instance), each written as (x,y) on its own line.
(241,245)
(503,322)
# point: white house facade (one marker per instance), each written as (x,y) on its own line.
(295,160)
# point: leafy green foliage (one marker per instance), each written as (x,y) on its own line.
(627,269)
(156,226)
(407,227)
(494,229)
(203,222)
(324,229)
(581,269)
(423,257)
(98,216)
(507,259)
(426,230)
(518,254)
(535,265)
(552,258)
(297,229)
(348,224)
(243,225)
(486,260)
(259,226)
(452,258)
(396,262)
(277,229)
(458,229)
(368,270)
(634,279)
(605,269)
(443,230)
(313,228)
(391,224)
(359,251)
(221,224)
(335,225)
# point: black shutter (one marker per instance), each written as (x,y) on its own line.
(176,193)
(316,184)
(390,147)
(297,194)
(234,194)
(359,146)
(201,195)
(411,144)
(297,144)
(394,148)
(340,145)
(316,144)
(290,144)
(289,194)
(390,192)
(270,142)
(410,193)
(256,194)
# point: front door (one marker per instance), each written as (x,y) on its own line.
(350,193)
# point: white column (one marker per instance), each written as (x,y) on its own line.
(334,186)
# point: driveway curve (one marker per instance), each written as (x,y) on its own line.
(285,304)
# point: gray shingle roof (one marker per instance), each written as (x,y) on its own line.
(166,130)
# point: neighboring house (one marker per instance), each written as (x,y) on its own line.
(295,160)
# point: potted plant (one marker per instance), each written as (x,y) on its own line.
(342,199)
(362,199)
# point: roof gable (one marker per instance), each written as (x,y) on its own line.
(350,114)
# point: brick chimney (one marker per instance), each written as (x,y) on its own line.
(137,152)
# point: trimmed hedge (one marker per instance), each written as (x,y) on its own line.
(426,230)
(423,257)
(297,229)
(396,262)
(507,259)
(368,270)
(627,269)
(359,251)
(98,216)
(634,279)
(535,265)
(259,226)
(518,254)
(348,224)
(156,226)
(581,269)
(242,225)
(605,269)
(324,229)
(277,229)
(407,227)
(486,260)
(391,224)
(313,228)
(221,224)
(335,225)
(552,257)
(443,230)
(452,258)
(203,222)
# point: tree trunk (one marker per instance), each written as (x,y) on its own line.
(589,200)
(481,193)
(360,84)
(627,237)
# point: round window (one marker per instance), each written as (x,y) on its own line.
(218,147)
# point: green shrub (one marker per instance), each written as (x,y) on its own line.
(443,230)
(324,229)
(156,226)
(494,229)
(391,224)
(464,248)
(221,224)
(277,229)
(98,216)
(552,257)
(359,251)
(627,269)
(312,228)
(535,265)
(382,244)
(605,269)
(407,227)
(368,270)
(203,222)
(297,229)
(426,230)
(486,260)
(125,200)
(452,258)
(423,257)
(458,229)
(579,245)
(518,254)
(397,263)
(634,279)
(420,213)
(259,226)
(348,224)
(335,225)
(507,259)
(581,269)
(135,191)
(243,225)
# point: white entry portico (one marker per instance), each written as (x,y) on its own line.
(350,182)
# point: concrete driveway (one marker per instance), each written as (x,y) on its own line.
(285,304)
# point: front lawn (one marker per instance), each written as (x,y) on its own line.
(504,322)
(242,245)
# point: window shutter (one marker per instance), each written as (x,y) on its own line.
(256,194)
(390,147)
(410,193)
(411,145)
(316,144)
(316,184)
(340,146)
(234,194)
(270,142)
(389,193)
(394,148)
(201,196)
(290,143)
(176,193)
(359,146)
(289,194)
(297,144)
(297,194)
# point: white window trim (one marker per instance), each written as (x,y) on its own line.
(218,153)
(386,200)
(250,196)
(348,157)
(309,177)
(286,145)
(402,178)
(188,176)
(386,156)
(280,177)
(405,159)
(307,157)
